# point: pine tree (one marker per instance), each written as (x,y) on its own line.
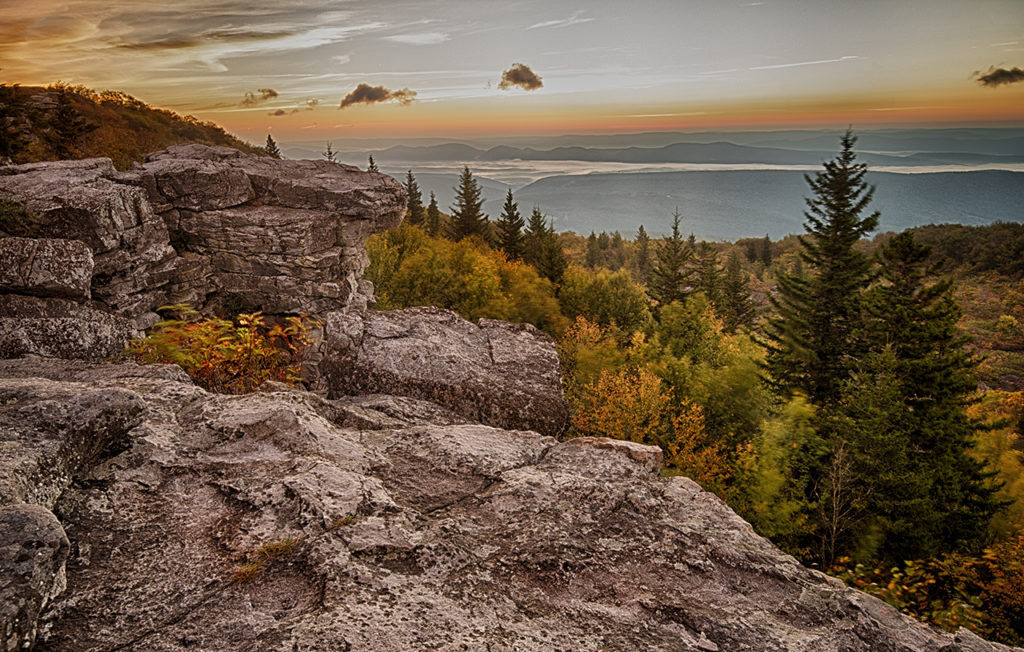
(817,334)
(541,248)
(737,308)
(510,228)
(12,140)
(467,214)
(593,259)
(414,200)
(670,276)
(708,275)
(271,148)
(371,165)
(642,255)
(329,153)
(928,493)
(433,216)
(766,251)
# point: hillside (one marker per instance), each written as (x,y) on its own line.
(74,122)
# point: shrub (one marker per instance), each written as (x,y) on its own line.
(224,356)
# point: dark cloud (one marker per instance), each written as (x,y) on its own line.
(312,104)
(999,76)
(520,75)
(366,94)
(281,112)
(261,95)
(171,43)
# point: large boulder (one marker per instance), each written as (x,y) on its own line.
(83,200)
(259,522)
(279,236)
(210,226)
(495,373)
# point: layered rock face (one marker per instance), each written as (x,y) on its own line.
(210,226)
(376,523)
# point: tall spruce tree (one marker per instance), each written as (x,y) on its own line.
(414,200)
(371,165)
(641,255)
(817,334)
(541,248)
(708,275)
(467,214)
(510,228)
(433,216)
(271,148)
(593,259)
(670,276)
(926,492)
(737,308)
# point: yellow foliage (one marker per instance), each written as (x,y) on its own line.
(633,405)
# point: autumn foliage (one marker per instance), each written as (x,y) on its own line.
(231,357)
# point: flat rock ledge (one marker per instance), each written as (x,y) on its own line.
(282,520)
(496,373)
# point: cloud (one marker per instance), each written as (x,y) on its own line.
(999,76)
(427,38)
(520,75)
(281,112)
(796,64)
(312,104)
(575,19)
(366,94)
(260,96)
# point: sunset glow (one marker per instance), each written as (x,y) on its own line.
(598,67)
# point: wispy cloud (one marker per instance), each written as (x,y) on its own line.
(366,94)
(425,38)
(520,76)
(999,76)
(576,19)
(804,63)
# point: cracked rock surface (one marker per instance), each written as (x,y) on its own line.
(282,520)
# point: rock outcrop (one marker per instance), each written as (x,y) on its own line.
(282,520)
(500,374)
(210,226)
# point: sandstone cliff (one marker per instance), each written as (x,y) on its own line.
(419,499)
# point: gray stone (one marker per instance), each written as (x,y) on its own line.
(408,537)
(499,374)
(45,267)
(33,548)
(60,328)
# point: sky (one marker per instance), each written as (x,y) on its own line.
(472,68)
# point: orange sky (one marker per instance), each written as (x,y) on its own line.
(259,66)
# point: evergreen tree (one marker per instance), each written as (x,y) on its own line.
(708,275)
(766,251)
(510,228)
(927,492)
(593,259)
(68,125)
(737,308)
(817,334)
(670,276)
(541,248)
(433,216)
(641,255)
(271,148)
(617,257)
(329,153)
(371,165)
(414,200)
(467,214)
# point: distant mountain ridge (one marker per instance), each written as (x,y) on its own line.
(726,153)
